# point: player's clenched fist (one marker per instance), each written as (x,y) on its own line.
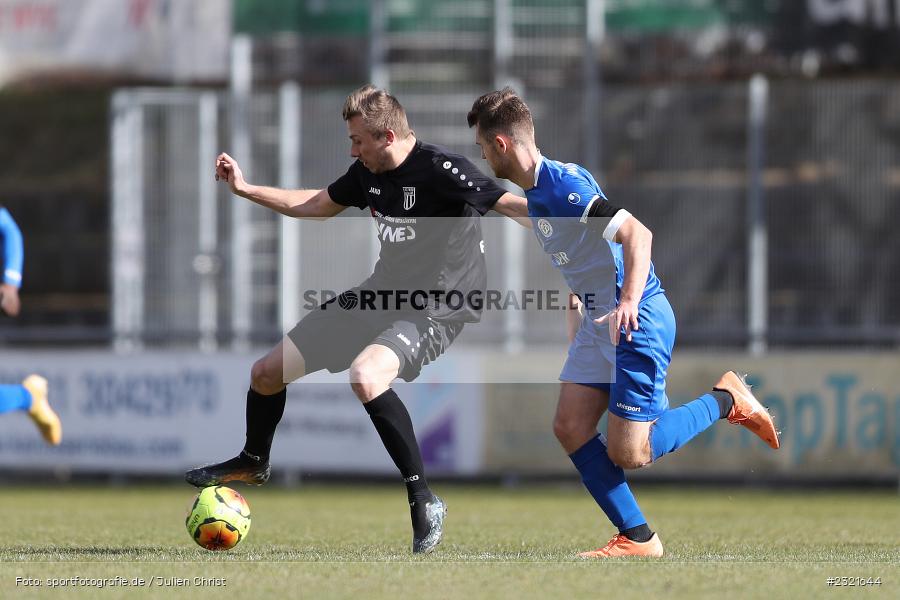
(228,170)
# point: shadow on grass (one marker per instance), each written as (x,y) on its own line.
(64,552)
(112,554)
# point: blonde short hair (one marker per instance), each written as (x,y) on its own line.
(380,111)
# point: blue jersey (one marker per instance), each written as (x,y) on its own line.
(593,267)
(11,254)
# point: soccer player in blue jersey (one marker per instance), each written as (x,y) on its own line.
(621,336)
(31,395)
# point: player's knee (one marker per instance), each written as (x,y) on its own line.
(361,390)
(570,431)
(628,457)
(365,379)
(367,391)
(562,428)
(264,379)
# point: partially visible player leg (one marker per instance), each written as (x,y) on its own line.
(31,396)
(635,444)
(266,399)
(371,374)
(644,428)
(268,393)
(578,412)
(676,427)
(14,397)
(641,426)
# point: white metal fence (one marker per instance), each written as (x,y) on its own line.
(732,178)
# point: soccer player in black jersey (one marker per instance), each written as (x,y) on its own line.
(404,183)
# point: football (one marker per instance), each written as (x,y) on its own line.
(218,518)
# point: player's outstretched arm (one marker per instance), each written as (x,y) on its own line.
(301,204)
(514,207)
(636,242)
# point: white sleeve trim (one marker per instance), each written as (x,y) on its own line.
(587,209)
(13,275)
(613,227)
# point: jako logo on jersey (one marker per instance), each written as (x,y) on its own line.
(561,258)
(447,164)
(574,198)
(481,245)
(395,234)
(409,197)
(405,339)
(633,409)
(545,227)
(374,190)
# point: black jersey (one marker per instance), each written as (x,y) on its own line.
(419,251)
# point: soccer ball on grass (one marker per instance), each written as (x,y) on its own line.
(218,518)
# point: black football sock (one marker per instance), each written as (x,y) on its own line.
(725,402)
(263,415)
(395,428)
(639,534)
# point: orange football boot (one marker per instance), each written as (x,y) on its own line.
(747,410)
(620,546)
(44,417)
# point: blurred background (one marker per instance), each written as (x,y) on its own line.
(759,140)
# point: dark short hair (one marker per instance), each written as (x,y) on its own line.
(379,110)
(502,111)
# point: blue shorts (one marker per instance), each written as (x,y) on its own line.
(636,377)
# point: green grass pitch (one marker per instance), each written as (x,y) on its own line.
(352,542)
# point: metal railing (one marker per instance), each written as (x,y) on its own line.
(771,205)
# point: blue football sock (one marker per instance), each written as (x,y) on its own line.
(606,483)
(677,427)
(14,397)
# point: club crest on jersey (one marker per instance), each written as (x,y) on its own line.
(409,197)
(545,227)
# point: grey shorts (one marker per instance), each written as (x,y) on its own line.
(330,337)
